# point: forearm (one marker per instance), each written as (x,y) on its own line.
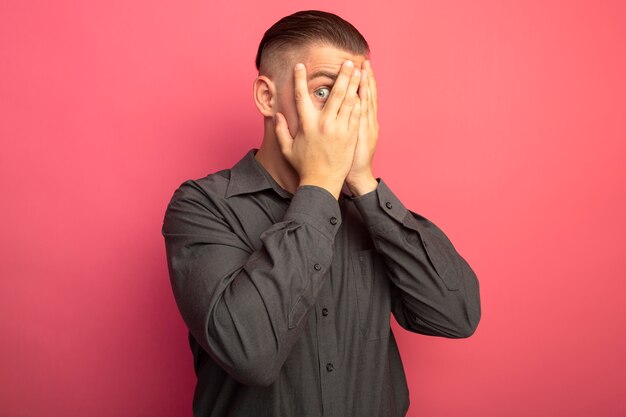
(262,312)
(437,291)
(248,309)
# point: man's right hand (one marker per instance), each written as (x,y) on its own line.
(323,148)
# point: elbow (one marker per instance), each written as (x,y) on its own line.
(257,372)
(457,326)
(456,330)
(467,326)
(248,350)
(469,312)
(458,323)
(254,366)
(463,332)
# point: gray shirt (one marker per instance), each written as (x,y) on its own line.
(288,297)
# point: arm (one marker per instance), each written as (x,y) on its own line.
(435,290)
(247,308)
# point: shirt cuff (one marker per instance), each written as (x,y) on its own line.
(315,206)
(380,206)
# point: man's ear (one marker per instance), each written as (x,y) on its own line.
(264,92)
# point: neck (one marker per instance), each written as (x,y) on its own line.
(272,159)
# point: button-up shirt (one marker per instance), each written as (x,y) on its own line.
(288,297)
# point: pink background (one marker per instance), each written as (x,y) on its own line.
(504,122)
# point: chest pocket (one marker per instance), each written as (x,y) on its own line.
(372,287)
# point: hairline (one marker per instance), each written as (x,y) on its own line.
(288,49)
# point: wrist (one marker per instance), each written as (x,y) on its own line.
(362,185)
(330,186)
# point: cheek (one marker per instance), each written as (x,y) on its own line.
(289,111)
(292,122)
(287,106)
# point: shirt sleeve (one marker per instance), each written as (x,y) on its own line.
(435,291)
(247,307)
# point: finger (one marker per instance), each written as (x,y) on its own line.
(372,121)
(364,91)
(372,104)
(304,105)
(338,92)
(351,97)
(285,141)
(363,122)
(355,116)
(373,88)
(365,105)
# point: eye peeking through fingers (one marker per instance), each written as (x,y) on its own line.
(322,93)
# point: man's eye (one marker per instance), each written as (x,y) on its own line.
(322,93)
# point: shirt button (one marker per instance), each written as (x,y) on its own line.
(324,312)
(333,220)
(317,267)
(388,204)
(329,367)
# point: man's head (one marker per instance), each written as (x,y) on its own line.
(301,30)
(322,42)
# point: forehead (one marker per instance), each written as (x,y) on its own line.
(328,58)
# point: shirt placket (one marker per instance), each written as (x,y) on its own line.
(329,366)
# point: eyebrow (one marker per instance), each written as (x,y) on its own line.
(322,73)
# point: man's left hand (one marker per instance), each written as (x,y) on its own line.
(360,179)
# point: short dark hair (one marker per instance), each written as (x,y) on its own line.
(312,26)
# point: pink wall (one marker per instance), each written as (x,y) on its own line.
(504,122)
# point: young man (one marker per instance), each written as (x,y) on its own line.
(286,267)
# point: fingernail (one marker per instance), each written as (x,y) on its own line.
(299,66)
(356,73)
(349,64)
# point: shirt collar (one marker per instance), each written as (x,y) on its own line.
(249,176)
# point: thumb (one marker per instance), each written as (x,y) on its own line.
(285,141)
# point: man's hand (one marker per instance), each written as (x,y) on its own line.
(323,149)
(360,179)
